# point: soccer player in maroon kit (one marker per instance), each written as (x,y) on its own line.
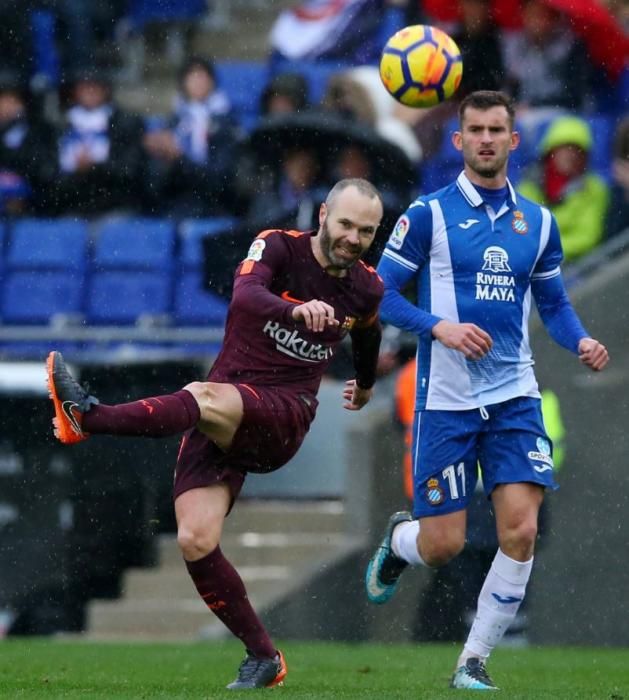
(296,296)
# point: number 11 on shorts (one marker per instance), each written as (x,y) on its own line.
(450,473)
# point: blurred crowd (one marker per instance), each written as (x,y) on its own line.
(69,147)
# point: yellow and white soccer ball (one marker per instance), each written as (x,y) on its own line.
(421,66)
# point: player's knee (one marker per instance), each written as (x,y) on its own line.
(438,552)
(195,542)
(200,392)
(219,403)
(518,541)
(206,396)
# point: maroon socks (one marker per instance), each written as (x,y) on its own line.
(158,416)
(224,593)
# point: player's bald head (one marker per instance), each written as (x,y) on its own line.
(364,187)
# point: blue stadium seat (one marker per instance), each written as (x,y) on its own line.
(141,12)
(132,271)
(36,351)
(243,82)
(53,244)
(123,296)
(434,174)
(3,237)
(317,74)
(44,270)
(445,166)
(194,305)
(602,126)
(46,60)
(141,244)
(192,231)
(35,297)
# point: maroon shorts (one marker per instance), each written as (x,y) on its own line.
(274,424)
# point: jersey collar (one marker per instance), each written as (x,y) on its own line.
(471,194)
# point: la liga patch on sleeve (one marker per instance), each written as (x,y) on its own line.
(396,239)
(256,249)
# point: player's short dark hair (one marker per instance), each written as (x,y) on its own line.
(363,186)
(486,99)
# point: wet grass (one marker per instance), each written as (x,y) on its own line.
(37,668)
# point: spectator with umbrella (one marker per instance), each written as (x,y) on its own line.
(297,155)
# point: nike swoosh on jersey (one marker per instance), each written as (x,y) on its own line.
(287,297)
(468,223)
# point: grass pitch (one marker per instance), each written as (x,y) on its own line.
(36,668)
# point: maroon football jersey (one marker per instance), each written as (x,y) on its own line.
(263,344)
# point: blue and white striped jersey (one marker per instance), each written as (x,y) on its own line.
(471,265)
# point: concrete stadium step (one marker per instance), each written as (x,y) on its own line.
(261,581)
(285,516)
(259,548)
(276,546)
(245,36)
(150,96)
(154,618)
(148,84)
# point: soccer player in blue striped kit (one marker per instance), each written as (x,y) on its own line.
(477,252)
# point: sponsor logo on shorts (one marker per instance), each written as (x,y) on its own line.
(541,457)
(290,343)
(434,492)
(543,445)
